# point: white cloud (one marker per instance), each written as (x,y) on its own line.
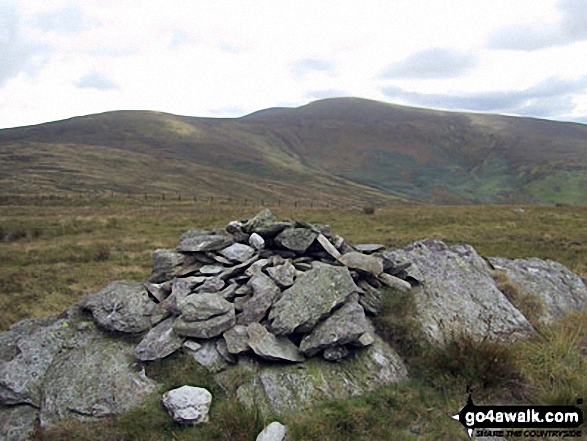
(96,80)
(431,63)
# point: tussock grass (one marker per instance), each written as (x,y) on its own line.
(528,303)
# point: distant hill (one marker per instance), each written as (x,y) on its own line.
(346,149)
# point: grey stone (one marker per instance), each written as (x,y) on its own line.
(369,248)
(240,302)
(279,389)
(122,306)
(236,270)
(222,349)
(363,262)
(346,325)
(208,242)
(458,294)
(561,291)
(238,252)
(205,328)
(395,282)
(273,432)
(265,291)
(265,224)
(211,270)
(283,275)
(270,347)
(18,423)
(370,298)
(96,377)
(209,357)
(203,306)
(159,342)
(335,353)
(237,339)
(188,404)
(328,247)
(192,345)
(212,284)
(257,267)
(221,259)
(296,239)
(229,293)
(256,241)
(159,291)
(166,265)
(311,298)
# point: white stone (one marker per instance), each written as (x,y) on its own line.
(273,432)
(188,404)
(256,241)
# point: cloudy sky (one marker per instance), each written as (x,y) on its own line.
(225,58)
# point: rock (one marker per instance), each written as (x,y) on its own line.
(257,267)
(237,339)
(265,224)
(346,325)
(278,389)
(188,404)
(363,262)
(370,298)
(222,349)
(122,306)
(166,265)
(265,291)
(296,239)
(192,345)
(236,270)
(369,248)
(203,306)
(561,291)
(205,328)
(395,282)
(335,353)
(212,284)
(93,381)
(159,291)
(311,298)
(238,252)
(283,275)
(18,423)
(229,293)
(256,241)
(209,357)
(273,432)
(458,294)
(328,247)
(211,270)
(159,342)
(205,242)
(270,347)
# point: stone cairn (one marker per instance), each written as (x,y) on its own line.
(283,290)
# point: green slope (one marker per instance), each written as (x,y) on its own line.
(347,150)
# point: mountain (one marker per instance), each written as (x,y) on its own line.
(345,149)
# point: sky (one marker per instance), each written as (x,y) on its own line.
(228,58)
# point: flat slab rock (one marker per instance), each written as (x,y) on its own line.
(277,389)
(121,306)
(159,342)
(270,347)
(311,298)
(458,294)
(561,291)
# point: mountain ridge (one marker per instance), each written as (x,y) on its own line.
(352,149)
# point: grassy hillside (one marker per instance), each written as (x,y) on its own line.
(348,150)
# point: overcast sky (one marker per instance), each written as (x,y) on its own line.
(226,58)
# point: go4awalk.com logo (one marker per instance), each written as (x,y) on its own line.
(521,421)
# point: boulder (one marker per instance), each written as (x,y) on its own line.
(265,291)
(188,404)
(204,242)
(270,347)
(205,328)
(122,307)
(296,239)
(238,252)
(363,262)
(561,291)
(159,342)
(458,294)
(278,389)
(346,325)
(273,432)
(237,339)
(203,306)
(311,298)
(18,423)
(166,265)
